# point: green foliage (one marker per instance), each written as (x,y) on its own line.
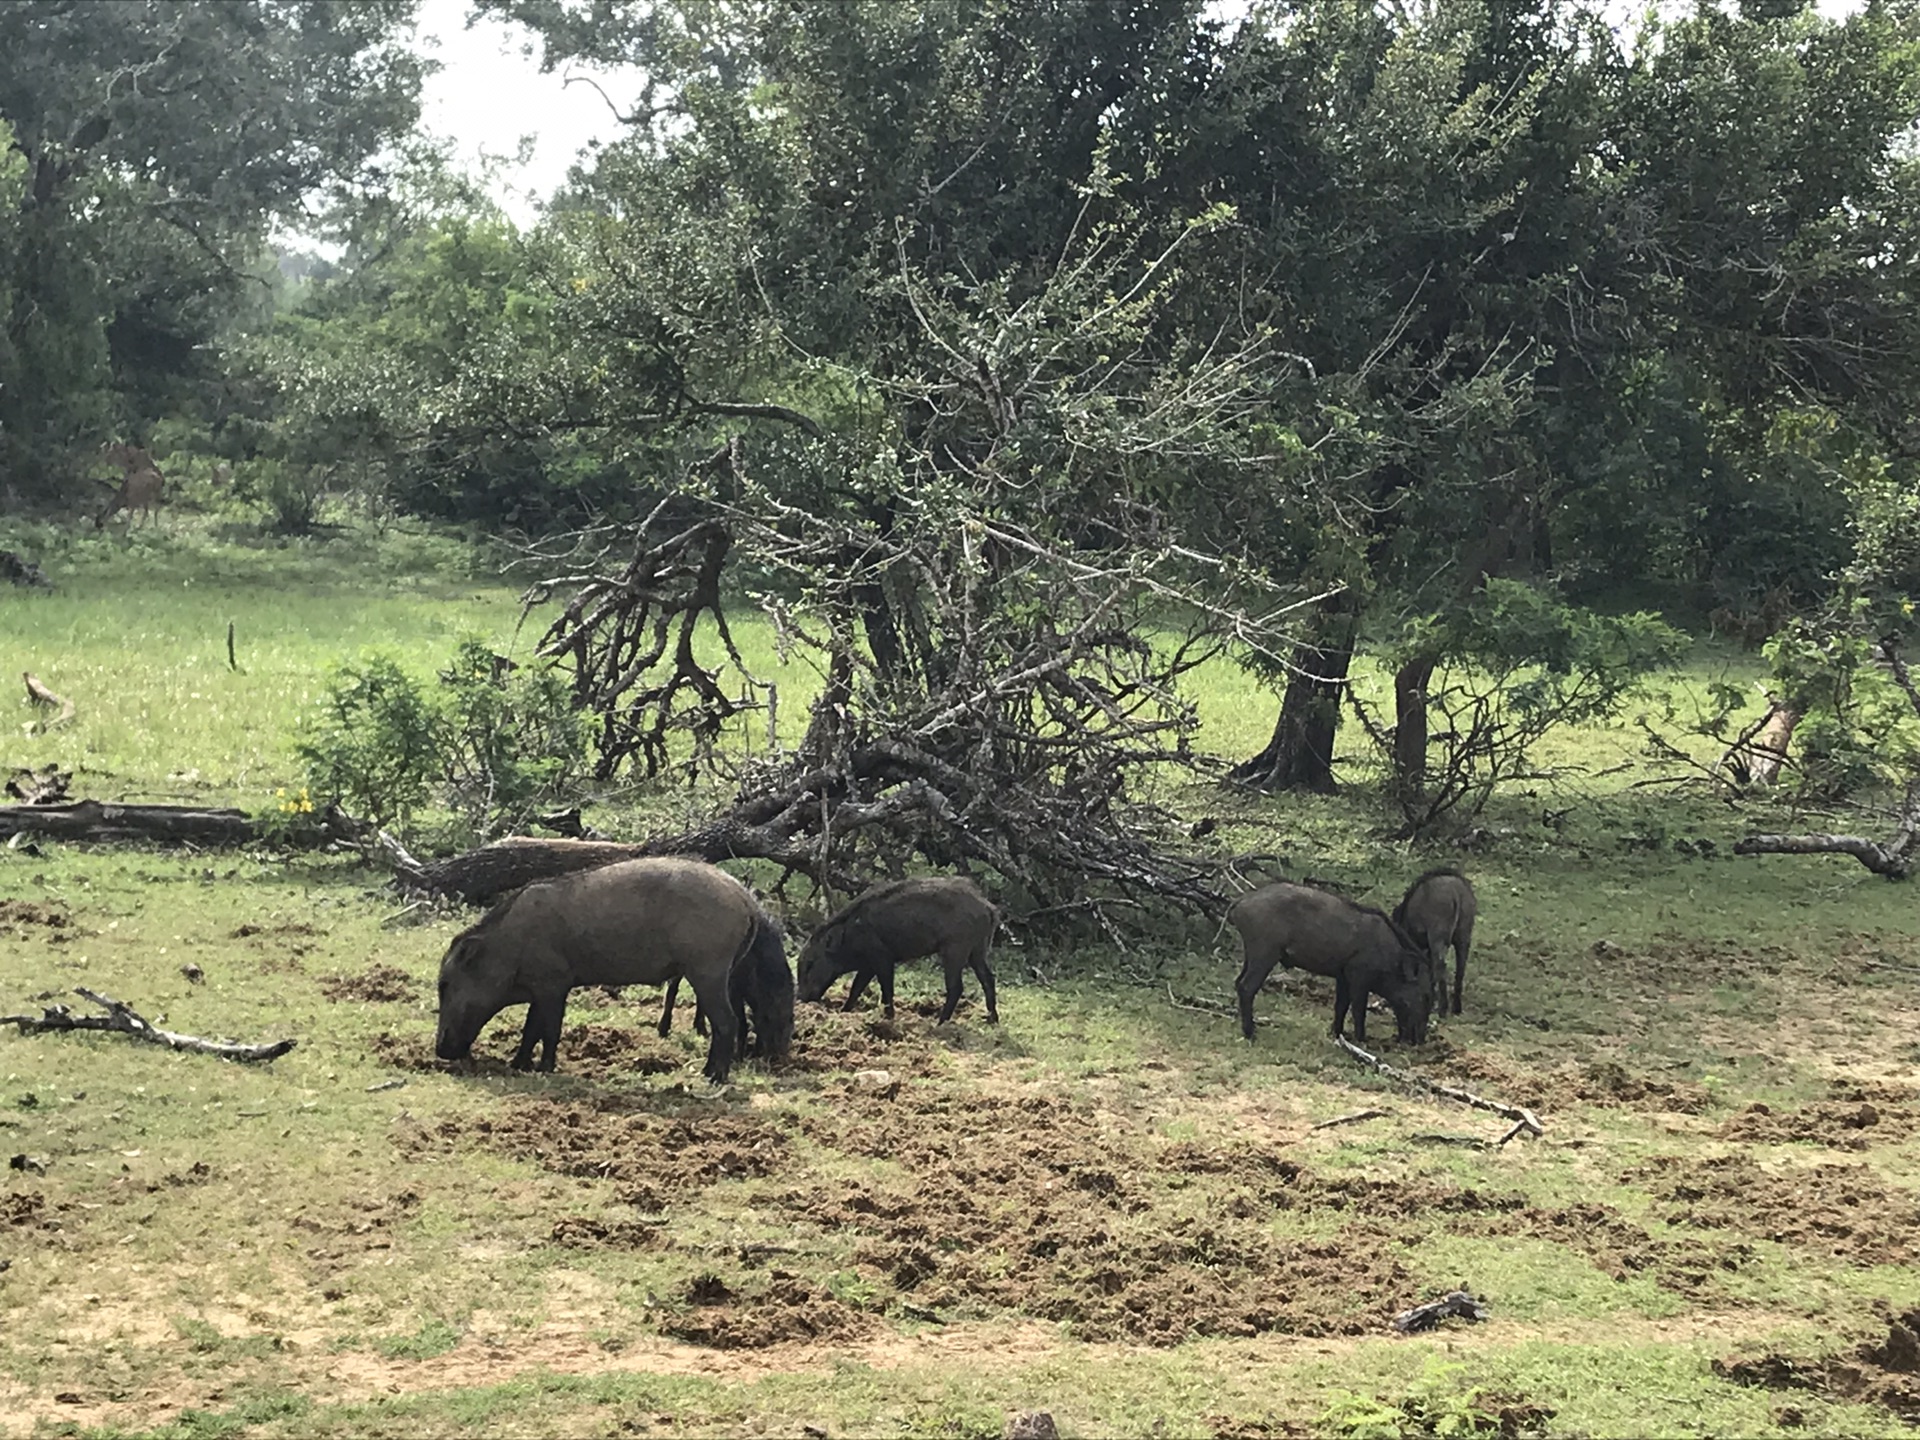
(511,743)
(494,746)
(373,744)
(159,143)
(1517,663)
(1439,1405)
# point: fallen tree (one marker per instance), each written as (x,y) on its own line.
(98,820)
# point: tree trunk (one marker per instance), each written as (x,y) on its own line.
(1410,725)
(1300,754)
(1763,755)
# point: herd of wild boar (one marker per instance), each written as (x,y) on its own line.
(658,922)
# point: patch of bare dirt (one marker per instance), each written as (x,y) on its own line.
(21,1207)
(585,1232)
(1885,1374)
(343,1232)
(785,1308)
(1621,1249)
(1854,1116)
(1845,1211)
(600,1051)
(648,1155)
(17,915)
(836,1041)
(383,984)
(1604,1082)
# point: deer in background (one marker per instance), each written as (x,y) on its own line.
(142,487)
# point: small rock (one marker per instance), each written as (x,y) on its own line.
(877,1082)
(1607,950)
(814,1432)
(193,973)
(28,1164)
(1032,1425)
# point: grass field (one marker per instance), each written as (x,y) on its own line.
(1108,1207)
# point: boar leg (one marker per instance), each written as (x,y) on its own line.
(543,1024)
(1252,976)
(978,960)
(1437,953)
(1462,941)
(1342,999)
(712,993)
(861,979)
(666,1015)
(953,966)
(886,990)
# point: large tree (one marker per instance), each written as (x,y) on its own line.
(161,143)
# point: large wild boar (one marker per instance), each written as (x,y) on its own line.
(1324,934)
(1437,911)
(903,921)
(641,922)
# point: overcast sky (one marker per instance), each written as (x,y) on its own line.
(490,93)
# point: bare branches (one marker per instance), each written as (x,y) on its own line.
(122,1019)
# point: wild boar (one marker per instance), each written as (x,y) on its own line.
(640,922)
(903,921)
(1438,910)
(1325,934)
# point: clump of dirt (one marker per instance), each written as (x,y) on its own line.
(1231,1427)
(295,927)
(1840,1210)
(21,1207)
(1853,1117)
(647,1154)
(608,1047)
(1884,1374)
(1608,1083)
(383,984)
(584,1232)
(16,915)
(1021,1203)
(787,1308)
(838,1041)
(584,1049)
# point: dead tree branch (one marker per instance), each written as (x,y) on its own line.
(41,696)
(1525,1121)
(122,1019)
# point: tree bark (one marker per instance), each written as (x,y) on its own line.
(1300,754)
(1410,725)
(164,824)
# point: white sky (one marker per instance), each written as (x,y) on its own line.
(490,92)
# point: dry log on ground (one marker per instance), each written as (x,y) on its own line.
(164,824)
(122,1019)
(1525,1121)
(1890,860)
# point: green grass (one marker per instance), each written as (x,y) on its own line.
(289,1250)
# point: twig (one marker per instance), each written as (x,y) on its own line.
(1352,1117)
(1471,1142)
(122,1019)
(232,664)
(1199,1008)
(40,695)
(1525,1121)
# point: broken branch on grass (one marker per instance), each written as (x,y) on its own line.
(1425,1317)
(122,1019)
(1352,1117)
(1888,860)
(1525,1120)
(40,695)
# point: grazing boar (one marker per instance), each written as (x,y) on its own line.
(903,921)
(1437,911)
(761,988)
(1324,934)
(640,922)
